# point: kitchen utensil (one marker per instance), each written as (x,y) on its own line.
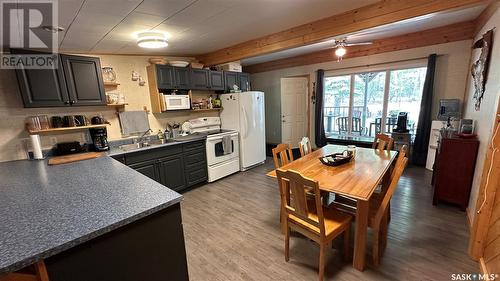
(56,121)
(108,74)
(97,120)
(34,123)
(80,120)
(57,160)
(69,121)
(179,63)
(44,122)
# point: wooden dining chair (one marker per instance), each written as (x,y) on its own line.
(383,142)
(379,209)
(314,221)
(285,154)
(305,146)
(34,272)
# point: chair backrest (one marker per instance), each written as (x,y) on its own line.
(285,155)
(356,125)
(305,146)
(391,123)
(293,183)
(383,142)
(342,124)
(401,163)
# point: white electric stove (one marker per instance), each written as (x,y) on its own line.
(222,160)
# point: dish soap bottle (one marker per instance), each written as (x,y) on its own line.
(161,135)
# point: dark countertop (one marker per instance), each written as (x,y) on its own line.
(45,210)
(116,151)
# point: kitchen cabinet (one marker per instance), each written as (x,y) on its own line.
(83,80)
(240,79)
(147,168)
(165,77)
(454,170)
(182,78)
(177,166)
(42,87)
(244,81)
(172,173)
(200,79)
(216,80)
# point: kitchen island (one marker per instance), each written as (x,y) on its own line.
(91,220)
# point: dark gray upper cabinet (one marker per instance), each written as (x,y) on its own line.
(244,81)
(84,80)
(240,79)
(216,80)
(165,77)
(200,79)
(182,78)
(43,87)
(231,79)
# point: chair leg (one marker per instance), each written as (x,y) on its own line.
(41,271)
(389,212)
(347,234)
(384,231)
(322,252)
(375,251)
(287,242)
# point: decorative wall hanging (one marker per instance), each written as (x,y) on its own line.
(479,69)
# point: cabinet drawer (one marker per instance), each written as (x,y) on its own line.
(150,154)
(196,174)
(195,145)
(194,157)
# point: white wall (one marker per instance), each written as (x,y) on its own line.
(450,81)
(485,117)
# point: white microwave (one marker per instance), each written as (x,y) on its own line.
(176,102)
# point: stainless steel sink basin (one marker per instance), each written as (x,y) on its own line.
(134,146)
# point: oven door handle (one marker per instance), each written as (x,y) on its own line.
(245,122)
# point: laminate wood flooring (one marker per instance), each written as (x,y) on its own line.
(232,232)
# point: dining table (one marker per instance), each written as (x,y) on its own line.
(357,179)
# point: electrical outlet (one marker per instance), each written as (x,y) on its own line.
(53,141)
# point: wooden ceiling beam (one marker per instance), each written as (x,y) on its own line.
(483,18)
(380,13)
(450,33)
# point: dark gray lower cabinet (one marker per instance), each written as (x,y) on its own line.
(147,168)
(172,172)
(177,166)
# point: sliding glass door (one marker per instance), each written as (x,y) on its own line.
(361,105)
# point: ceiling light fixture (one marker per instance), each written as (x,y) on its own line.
(152,39)
(340,51)
(53,29)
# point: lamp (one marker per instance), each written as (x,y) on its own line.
(340,51)
(152,39)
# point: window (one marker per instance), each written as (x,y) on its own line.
(359,105)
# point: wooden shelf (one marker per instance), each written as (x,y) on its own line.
(117,104)
(207,109)
(65,129)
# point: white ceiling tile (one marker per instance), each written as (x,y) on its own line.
(67,11)
(163,8)
(200,11)
(109,7)
(143,19)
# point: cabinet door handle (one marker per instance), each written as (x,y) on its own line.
(67,102)
(72,102)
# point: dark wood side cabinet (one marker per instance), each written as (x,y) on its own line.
(151,248)
(454,170)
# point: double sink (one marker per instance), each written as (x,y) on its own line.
(157,142)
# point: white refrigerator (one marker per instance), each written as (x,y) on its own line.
(244,112)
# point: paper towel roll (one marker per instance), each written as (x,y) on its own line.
(37,146)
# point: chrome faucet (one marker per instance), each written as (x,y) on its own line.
(140,140)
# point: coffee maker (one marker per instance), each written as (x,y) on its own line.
(402,125)
(99,139)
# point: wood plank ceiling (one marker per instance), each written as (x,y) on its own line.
(380,13)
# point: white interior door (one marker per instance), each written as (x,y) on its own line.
(293,110)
